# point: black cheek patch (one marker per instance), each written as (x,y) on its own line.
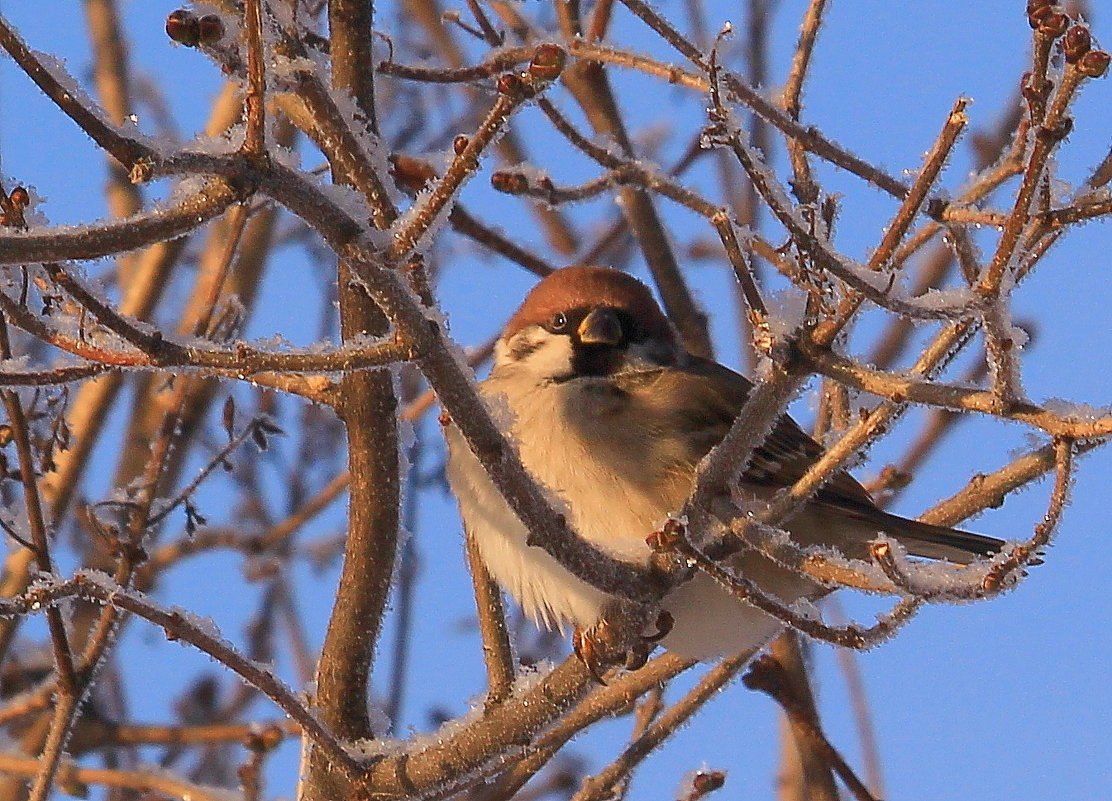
(523,347)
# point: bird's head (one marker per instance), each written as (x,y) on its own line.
(586,321)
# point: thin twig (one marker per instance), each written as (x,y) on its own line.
(97,241)
(497,650)
(254,138)
(767,675)
(600,785)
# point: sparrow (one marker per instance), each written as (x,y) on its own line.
(611,416)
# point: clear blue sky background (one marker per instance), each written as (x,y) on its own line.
(1008,699)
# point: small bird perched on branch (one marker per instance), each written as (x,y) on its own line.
(611,416)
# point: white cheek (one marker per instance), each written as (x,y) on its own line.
(550,358)
(553,358)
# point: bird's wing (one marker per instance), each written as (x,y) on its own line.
(715,396)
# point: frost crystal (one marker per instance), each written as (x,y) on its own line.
(1080,412)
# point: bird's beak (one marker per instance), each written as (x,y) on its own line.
(601,327)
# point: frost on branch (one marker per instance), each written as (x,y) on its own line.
(350,223)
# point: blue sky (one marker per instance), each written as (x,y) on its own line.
(1007,699)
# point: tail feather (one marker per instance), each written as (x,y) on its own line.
(937,542)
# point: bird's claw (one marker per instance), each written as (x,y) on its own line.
(594,647)
(638,654)
(664,623)
(600,648)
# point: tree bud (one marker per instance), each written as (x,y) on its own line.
(510,85)
(183,28)
(1094,63)
(1077,43)
(548,62)
(1054,24)
(19,197)
(512,183)
(210,29)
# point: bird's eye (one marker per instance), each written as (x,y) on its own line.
(558,323)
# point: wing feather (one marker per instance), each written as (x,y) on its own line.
(715,396)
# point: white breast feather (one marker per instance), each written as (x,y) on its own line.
(604,508)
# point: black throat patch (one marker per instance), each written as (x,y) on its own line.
(595,360)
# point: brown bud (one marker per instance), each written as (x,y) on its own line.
(510,85)
(210,29)
(894,478)
(19,197)
(183,28)
(548,62)
(1094,63)
(1077,43)
(512,183)
(263,740)
(272,737)
(1035,16)
(708,781)
(459,144)
(414,173)
(1054,24)
(1035,19)
(5,435)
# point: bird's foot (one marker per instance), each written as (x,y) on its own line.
(596,648)
(601,647)
(638,653)
(664,623)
